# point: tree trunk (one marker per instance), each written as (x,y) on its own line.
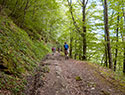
(75,50)
(84,30)
(71,12)
(107,33)
(71,39)
(80,57)
(124,61)
(116,50)
(123,36)
(83,34)
(106,57)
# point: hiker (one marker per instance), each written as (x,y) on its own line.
(53,50)
(66,47)
(59,48)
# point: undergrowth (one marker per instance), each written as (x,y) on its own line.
(19,55)
(111,76)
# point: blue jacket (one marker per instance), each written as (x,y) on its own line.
(66,46)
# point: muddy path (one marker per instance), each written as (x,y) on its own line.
(70,77)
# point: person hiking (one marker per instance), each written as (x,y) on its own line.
(53,50)
(58,48)
(66,47)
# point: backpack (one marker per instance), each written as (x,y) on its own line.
(53,49)
(66,46)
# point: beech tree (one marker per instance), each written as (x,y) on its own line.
(83,34)
(107,33)
(93,33)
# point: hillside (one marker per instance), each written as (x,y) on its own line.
(19,55)
(88,32)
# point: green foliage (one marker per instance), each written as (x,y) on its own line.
(95,35)
(78,78)
(37,18)
(26,36)
(46,69)
(19,54)
(17,48)
(26,28)
(13,84)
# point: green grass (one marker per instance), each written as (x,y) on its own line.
(19,54)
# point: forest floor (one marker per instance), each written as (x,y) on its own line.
(71,77)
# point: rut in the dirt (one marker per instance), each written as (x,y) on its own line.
(71,77)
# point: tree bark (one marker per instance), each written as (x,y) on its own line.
(74,21)
(124,61)
(116,50)
(123,37)
(107,33)
(84,28)
(75,49)
(71,39)
(83,34)
(106,57)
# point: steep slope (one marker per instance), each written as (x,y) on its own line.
(19,55)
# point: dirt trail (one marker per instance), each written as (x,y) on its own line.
(71,77)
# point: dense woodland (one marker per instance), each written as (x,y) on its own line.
(94,30)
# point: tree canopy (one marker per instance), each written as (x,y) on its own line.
(94,29)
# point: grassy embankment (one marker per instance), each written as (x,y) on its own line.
(19,55)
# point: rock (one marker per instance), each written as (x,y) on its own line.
(92,88)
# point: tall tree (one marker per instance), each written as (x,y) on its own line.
(83,33)
(71,41)
(116,50)
(106,57)
(123,36)
(84,4)
(107,34)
